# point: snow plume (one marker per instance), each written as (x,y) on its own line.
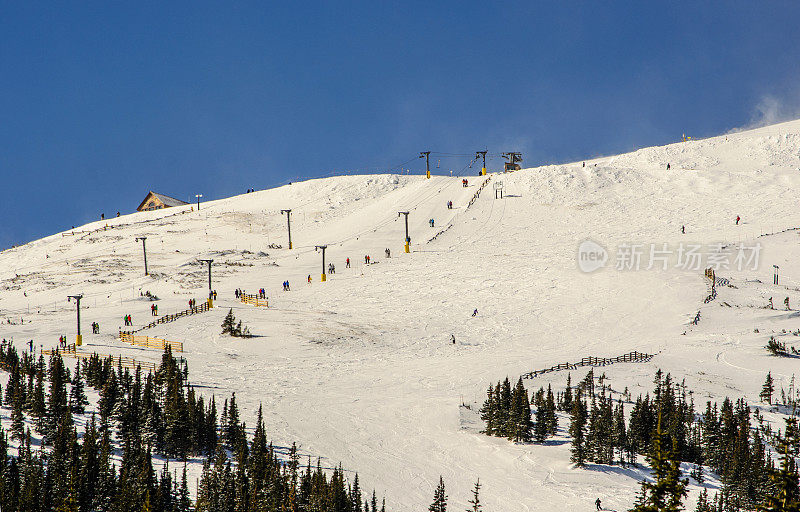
(771,109)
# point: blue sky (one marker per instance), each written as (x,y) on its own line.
(102,102)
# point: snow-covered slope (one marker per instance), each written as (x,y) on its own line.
(360,369)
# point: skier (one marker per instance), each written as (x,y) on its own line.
(770,306)
(431,221)
(30,344)
(453,338)
(738,219)
(347,263)
(667,165)
(683,230)
(597,503)
(786,303)
(388,253)
(309,278)
(288,289)
(474,313)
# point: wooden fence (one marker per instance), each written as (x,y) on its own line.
(478,192)
(125,362)
(150,342)
(630,357)
(253,300)
(171,317)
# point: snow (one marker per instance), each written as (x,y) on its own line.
(360,369)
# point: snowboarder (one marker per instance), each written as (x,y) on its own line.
(347,263)
(597,503)
(475,313)
(738,219)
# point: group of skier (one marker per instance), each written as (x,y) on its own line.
(154,309)
(286,286)
(127,319)
(95,328)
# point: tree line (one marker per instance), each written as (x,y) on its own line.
(110,468)
(666,428)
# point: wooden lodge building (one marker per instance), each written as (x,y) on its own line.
(155,201)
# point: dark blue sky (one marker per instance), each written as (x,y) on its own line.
(101,102)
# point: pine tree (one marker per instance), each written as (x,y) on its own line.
(550,413)
(488,412)
(577,429)
(785,495)
(355,495)
(77,397)
(229,324)
(540,427)
(519,419)
(475,501)
(17,419)
(439,498)
(566,403)
(767,389)
(703,505)
(667,492)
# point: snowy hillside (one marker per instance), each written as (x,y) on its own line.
(361,369)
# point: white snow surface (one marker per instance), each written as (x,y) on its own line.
(360,369)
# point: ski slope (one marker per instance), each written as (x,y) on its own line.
(360,369)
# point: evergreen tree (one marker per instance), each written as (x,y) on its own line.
(439,498)
(540,428)
(17,418)
(566,403)
(229,324)
(475,501)
(785,495)
(577,429)
(77,397)
(550,413)
(519,419)
(666,493)
(488,412)
(767,389)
